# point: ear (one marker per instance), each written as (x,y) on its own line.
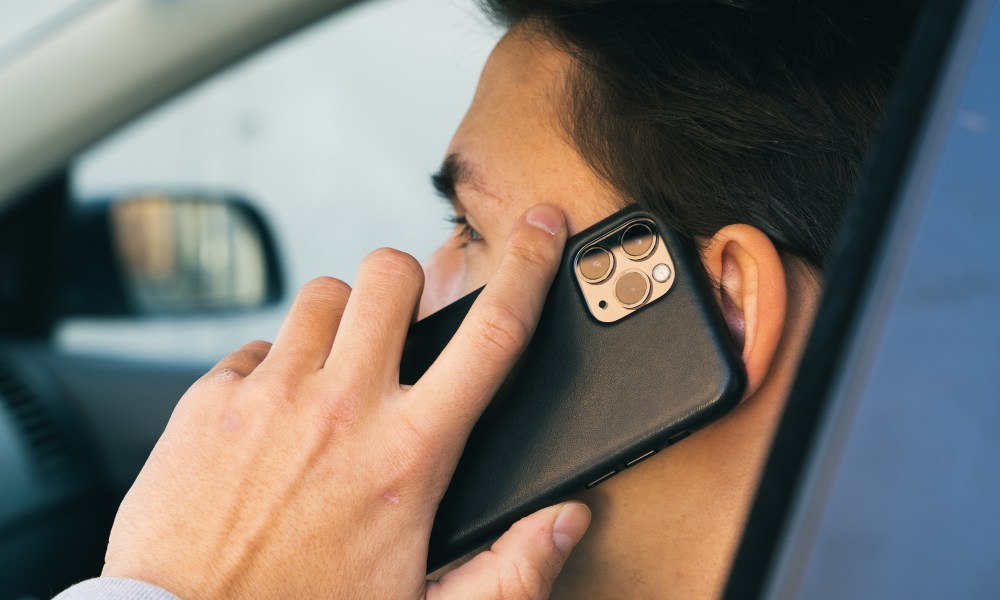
(751,289)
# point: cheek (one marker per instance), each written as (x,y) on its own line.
(451,273)
(444,274)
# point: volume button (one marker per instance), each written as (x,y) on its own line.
(680,436)
(639,458)
(601,478)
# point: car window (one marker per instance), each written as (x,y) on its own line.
(331,134)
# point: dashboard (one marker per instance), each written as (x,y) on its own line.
(74,433)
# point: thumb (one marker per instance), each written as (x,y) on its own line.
(523,563)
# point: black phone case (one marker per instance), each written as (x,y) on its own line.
(585,398)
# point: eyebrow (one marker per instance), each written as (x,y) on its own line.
(452,172)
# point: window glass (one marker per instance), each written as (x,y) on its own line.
(331,134)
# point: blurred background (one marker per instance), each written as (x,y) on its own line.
(331,133)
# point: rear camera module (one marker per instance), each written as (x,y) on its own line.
(632,288)
(596,264)
(623,269)
(638,241)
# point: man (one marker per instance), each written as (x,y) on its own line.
(303,469)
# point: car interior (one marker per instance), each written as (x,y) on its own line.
(116,293)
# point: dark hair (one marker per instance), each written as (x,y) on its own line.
(713,112)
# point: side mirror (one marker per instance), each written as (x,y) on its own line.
(166,253)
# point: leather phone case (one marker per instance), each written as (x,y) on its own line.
(585,399)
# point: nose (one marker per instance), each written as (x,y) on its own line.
(444,274)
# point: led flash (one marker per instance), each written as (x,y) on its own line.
(661,273)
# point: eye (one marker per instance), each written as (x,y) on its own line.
(467,233)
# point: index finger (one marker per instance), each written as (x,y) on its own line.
(462,381)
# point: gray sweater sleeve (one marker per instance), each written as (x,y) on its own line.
(112,588)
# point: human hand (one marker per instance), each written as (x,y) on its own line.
(303,468)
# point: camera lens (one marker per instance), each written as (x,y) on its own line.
(595,264)
(632,288)
(638,241)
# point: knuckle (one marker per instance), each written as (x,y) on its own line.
(522,580)
(531,258)
(502,330)
(340,414)
(342,405)
(223,375)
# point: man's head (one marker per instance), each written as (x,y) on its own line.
(744,124)
(710,113)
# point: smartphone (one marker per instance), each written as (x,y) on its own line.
(631,354)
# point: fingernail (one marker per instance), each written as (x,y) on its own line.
(546,218)
(570,525)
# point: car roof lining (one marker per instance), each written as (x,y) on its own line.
(118,60)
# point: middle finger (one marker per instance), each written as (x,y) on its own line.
(303,343)
(373,330)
